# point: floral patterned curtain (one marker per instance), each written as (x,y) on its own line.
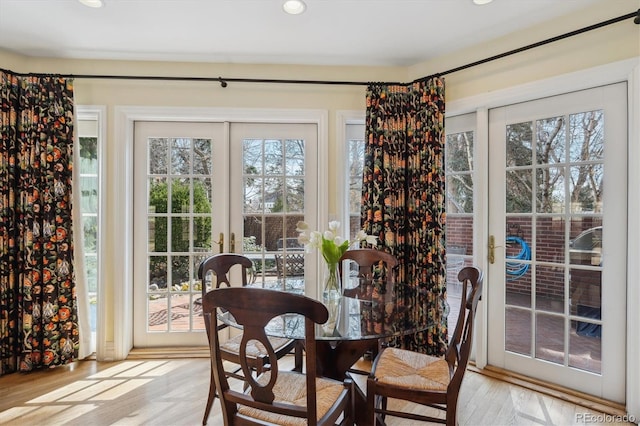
(403,197)
(38,316)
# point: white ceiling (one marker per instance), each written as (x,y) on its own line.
(330,32)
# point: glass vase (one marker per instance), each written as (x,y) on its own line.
(332,288)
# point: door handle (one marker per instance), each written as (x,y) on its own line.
(232,244)
(492,248)
(220,243)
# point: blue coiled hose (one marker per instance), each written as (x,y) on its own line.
(517,269)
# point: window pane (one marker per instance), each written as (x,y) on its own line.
(586,188)
(294,157)
(89,194)
(520,187)
(459,193)
(550,338)
(202,157)
(551,141)
(518,330)
(519,145)
(88,155)
(181,195)
(158,195)
(158,156)
(550,194)
(295,195)
(180,156)
(273,158)
(586,136)
(459,152)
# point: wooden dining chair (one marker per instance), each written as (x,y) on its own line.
(370,264)
(424,379)
(276,396)
(220,265)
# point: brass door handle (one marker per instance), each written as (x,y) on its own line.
(492,248)
(220,243)
(232,244)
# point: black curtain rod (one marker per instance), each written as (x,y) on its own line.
(224,81)
(540,43)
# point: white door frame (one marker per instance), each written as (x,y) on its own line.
(622,71)
(119,197)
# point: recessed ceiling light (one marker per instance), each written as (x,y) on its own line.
(482,1)
(92,3)
(294,7)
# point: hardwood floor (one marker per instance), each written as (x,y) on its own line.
(172,392)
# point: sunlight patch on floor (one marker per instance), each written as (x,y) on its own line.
(72,400)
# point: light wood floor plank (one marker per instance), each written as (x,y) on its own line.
(172,392)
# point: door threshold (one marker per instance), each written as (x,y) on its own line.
(556,391)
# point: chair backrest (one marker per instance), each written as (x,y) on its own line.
(371,263)
(253,308)
(220,265)
(459,349)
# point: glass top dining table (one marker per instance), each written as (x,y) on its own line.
(366,312)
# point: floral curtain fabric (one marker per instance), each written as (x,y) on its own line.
(38,315)
(403,197)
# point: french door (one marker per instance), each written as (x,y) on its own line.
(557,224)
(208,187)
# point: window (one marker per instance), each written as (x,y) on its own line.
(88,126)
(354,169)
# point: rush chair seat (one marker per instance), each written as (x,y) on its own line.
(275,396)
(369,264)
(220,265)
(425,379)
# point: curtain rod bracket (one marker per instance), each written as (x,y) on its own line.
(636,20)
(223,83)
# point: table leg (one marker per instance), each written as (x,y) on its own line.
(334,359)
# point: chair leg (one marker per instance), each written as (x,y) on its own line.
(382,416)
(452,408)
(298,356)
(375,401)
(210,398)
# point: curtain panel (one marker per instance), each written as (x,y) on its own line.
(403,197)
(38,313)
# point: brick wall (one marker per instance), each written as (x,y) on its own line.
(550,247)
